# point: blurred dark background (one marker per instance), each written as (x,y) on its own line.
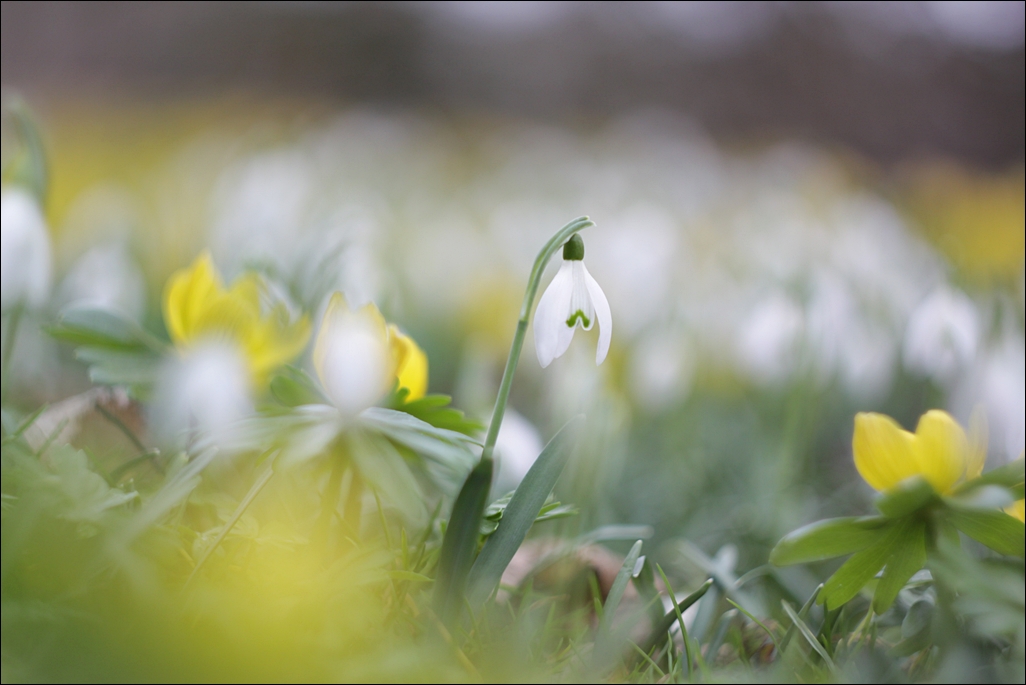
(892,81)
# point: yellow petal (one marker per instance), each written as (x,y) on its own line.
(1018,510)
(885,454)
(942,450)
(196,305)
(978,433)
(411,364)
(276,341)
(185,296)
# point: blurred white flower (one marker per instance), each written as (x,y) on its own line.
(352,356)
(572,297)
(998,383)
(516,448)
(845,340)
(106,277)
(202,394)
(640,281)
(942,335)
(260,208)
(661,369)
(25,259)
(769,340)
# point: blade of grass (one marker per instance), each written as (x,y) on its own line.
(613,603)
(262,481)
(679,614)
(803,613)
(757,622)
(809,636)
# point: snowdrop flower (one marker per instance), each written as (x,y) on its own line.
(942,335)
(205,392)
(24,251)
(106,277)
(572,297)
(517,446)
(359,358)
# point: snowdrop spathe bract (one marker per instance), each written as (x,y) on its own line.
(24,251)
(572,297)
(198,309)
(359,357)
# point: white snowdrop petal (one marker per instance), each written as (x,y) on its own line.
(550,341)
(580,300)
(602,315)
(24,251)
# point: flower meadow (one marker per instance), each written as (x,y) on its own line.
(377,397)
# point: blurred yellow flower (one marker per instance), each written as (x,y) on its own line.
(197,307)
(886,454)
(358,357)
(1018,510)
(411,364)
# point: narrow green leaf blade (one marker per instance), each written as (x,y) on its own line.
(521,512)
(828,539)
(616,591)
(995,529)
(460,542)
(907,557)
(659,630)
(807,633)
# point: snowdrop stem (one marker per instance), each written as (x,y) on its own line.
(550,248)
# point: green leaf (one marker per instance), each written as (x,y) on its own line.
(853,575)
(990,497)
(435,410)
(521,512)
(827,539)
(293,387)
(996,529)
(102,328)
(917,619)
(658,633)
(807,633)
(410,576)
(460,542)
(908,557)
(1008,476)
(623,577)
(385,470)
(802,614)
(909,496)
(135,369)
(446,453)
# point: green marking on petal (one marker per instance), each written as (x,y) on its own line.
(585,321)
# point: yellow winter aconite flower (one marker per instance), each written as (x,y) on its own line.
(197,307)
(358,357)
(886,454)
(1018,510)
(411,364)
